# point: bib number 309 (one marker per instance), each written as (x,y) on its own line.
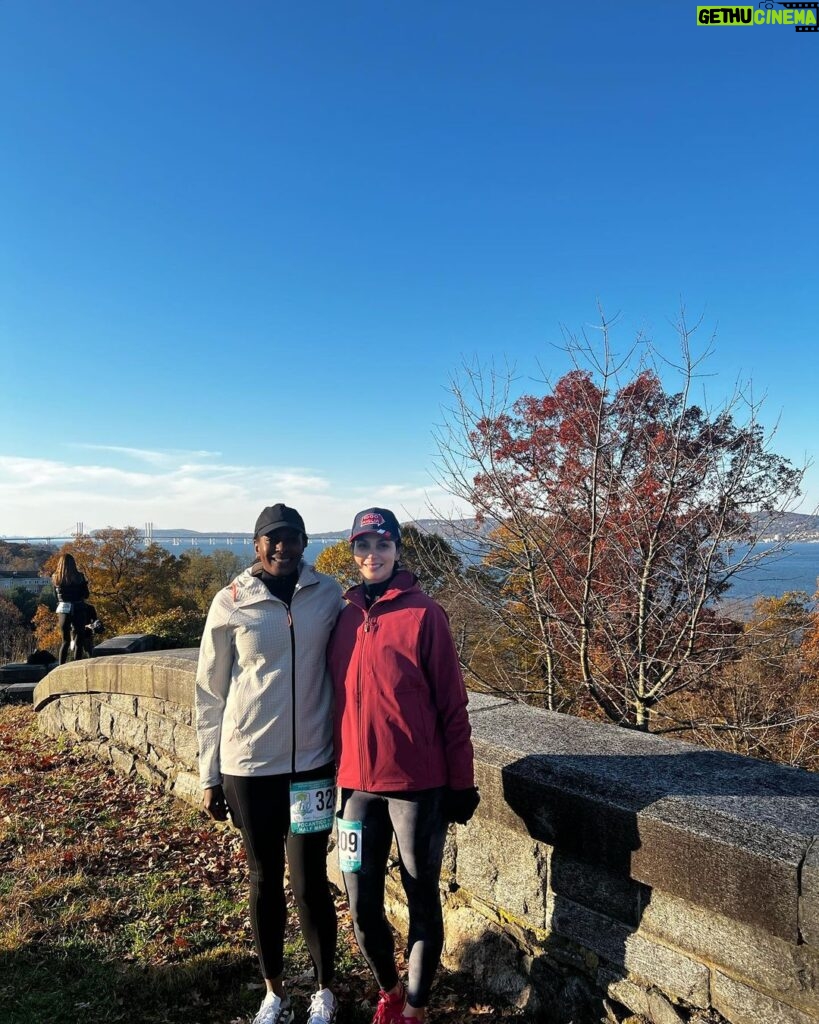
(312,805)
(349,845)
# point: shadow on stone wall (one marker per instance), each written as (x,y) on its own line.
(589,869)
(705,826)
(547,987)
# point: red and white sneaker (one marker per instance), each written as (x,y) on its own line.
(389,1007)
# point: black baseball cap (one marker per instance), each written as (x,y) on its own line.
(274,517)
(376,520)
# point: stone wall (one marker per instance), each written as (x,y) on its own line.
(135,711)
(603,866)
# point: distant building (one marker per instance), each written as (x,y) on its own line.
(10,579)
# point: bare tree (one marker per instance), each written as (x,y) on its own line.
(617,514)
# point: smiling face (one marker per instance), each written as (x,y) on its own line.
(375,557)
(280,550)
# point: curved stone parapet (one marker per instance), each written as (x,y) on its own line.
(166,675)
(133,710)
(601,862)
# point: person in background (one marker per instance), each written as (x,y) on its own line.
(72,590)
(265,730)
(405,760)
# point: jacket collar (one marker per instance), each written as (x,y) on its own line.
(247,588)
(403,582)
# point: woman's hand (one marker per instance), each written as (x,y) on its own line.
(215,804)
(460,804)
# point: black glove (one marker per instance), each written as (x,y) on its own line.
(460,804)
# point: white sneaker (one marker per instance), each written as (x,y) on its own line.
(274,1010)
(323,1007)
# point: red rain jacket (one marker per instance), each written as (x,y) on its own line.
(400,709)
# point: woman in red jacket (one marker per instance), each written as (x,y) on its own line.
(404,757)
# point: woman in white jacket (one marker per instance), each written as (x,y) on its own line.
(265,729)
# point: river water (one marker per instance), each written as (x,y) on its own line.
(795,568)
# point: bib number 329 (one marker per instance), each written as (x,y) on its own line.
(349,845)
(312,805)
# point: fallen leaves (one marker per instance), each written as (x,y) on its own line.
(98,869)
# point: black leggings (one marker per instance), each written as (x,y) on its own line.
(418,823)
(77,618)
(261,808)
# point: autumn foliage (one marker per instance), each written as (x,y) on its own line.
(336,560)
(765,701)
(616,508)
(139,589)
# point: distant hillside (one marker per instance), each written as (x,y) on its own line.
(454,530)
(793,525)
(457,529)
(16,557)
(194,533)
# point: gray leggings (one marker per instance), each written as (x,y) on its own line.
(418,823)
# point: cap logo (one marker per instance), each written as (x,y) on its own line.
(372,519)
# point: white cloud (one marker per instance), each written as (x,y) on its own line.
(47,497)
(160,456)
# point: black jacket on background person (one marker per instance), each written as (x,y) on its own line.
(73,591)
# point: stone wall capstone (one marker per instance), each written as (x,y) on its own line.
(602,865)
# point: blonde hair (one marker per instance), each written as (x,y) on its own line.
(66,571)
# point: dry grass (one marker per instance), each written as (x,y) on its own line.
(119,904)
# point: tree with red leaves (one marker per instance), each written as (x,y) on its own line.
(622,512)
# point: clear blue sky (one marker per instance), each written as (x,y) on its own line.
(244,246)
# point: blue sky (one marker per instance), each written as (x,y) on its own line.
(244,247)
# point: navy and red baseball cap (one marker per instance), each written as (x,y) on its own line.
(376,520)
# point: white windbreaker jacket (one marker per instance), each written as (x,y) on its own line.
(264,702)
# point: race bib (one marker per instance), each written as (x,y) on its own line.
(64,608)
(349,845)
(312,805)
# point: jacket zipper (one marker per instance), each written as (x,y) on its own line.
(294,745)
(292,687)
